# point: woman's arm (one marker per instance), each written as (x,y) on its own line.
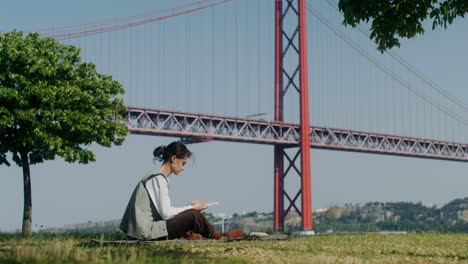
(158,190)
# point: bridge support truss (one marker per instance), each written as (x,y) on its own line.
(290,75)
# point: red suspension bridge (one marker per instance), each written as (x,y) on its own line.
(287,88)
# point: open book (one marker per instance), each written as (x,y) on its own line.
(211,203)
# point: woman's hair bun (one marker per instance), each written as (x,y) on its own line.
(158,152)
(176,148)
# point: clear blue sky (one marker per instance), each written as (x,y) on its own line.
(239,176)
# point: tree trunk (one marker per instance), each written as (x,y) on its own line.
(27,211)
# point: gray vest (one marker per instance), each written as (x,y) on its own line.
(141,220)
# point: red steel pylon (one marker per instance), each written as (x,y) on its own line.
(291,62)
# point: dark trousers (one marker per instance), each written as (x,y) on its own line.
(189,220)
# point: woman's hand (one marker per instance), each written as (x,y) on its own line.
(200,206)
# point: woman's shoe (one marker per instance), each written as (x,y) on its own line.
(234,233)
(192,236)
(216,235)
(231,234)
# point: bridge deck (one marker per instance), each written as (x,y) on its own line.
(210,127)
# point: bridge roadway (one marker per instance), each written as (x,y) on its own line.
(201,127)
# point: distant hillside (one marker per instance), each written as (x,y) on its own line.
(369,217)
(89,227)
(375,216)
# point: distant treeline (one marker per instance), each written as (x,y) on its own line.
(368,217)
(399,216)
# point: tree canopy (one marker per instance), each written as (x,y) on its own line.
(52,103)
(391,20)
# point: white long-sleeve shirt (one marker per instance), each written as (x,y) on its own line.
(158,190)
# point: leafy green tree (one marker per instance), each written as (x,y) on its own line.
(395,19)
(52,103)
(333,213)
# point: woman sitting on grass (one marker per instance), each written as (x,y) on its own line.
(150,215)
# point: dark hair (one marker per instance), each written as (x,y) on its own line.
(177,148)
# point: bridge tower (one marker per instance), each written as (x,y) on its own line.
(291,75)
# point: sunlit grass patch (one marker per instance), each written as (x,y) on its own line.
(369,248)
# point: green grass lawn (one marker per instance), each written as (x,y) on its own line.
(369,248)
